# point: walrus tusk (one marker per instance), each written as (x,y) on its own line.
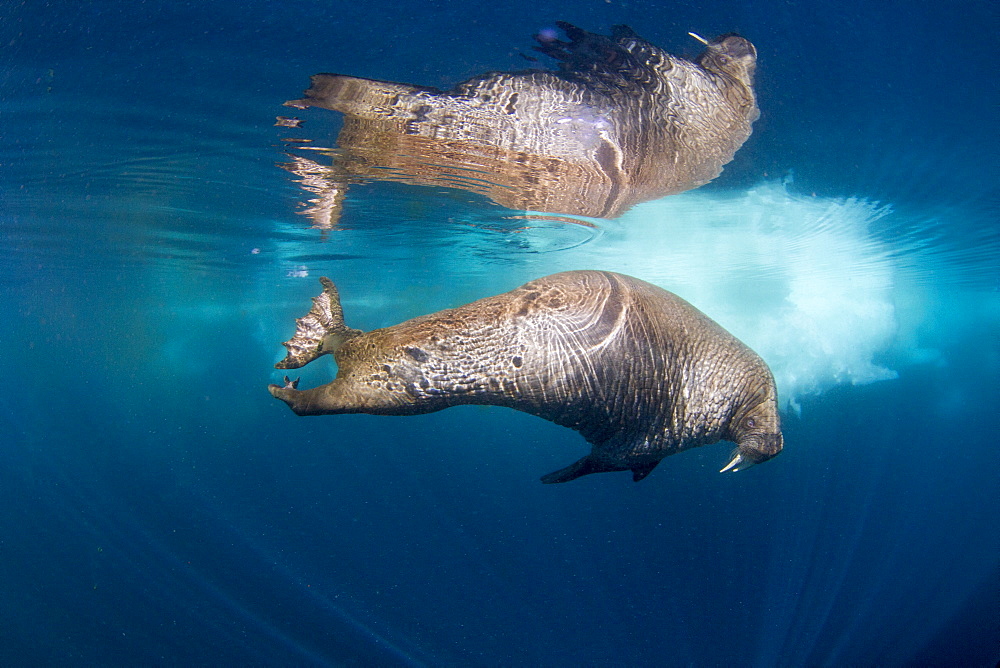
(735,463)
(699,38)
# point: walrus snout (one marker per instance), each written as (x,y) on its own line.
(754,449)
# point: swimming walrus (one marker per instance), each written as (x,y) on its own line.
(641,373)
(621,121)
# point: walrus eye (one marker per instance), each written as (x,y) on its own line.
(751,423)
(723,60)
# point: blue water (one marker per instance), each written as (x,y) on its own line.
(158,507)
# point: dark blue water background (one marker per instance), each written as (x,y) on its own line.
(157,506)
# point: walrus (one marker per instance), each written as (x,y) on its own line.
(620,122)
(638,371)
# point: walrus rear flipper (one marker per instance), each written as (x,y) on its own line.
(320,331)
(364,98)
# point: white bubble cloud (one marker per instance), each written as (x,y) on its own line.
(802,280)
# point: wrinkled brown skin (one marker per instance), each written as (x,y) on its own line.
(638,371)
(621,121)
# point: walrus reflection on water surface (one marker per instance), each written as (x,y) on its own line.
(638,371)
(620,122)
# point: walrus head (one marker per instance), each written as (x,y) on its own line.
(757,434)
(729,55)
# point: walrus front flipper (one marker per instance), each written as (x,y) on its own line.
(585,50)
(320,331)
(640,472)
(581,467)
(619,63)
(364,98)
(586,466)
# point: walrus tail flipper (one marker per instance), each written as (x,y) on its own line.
(364,98)
(320,331)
